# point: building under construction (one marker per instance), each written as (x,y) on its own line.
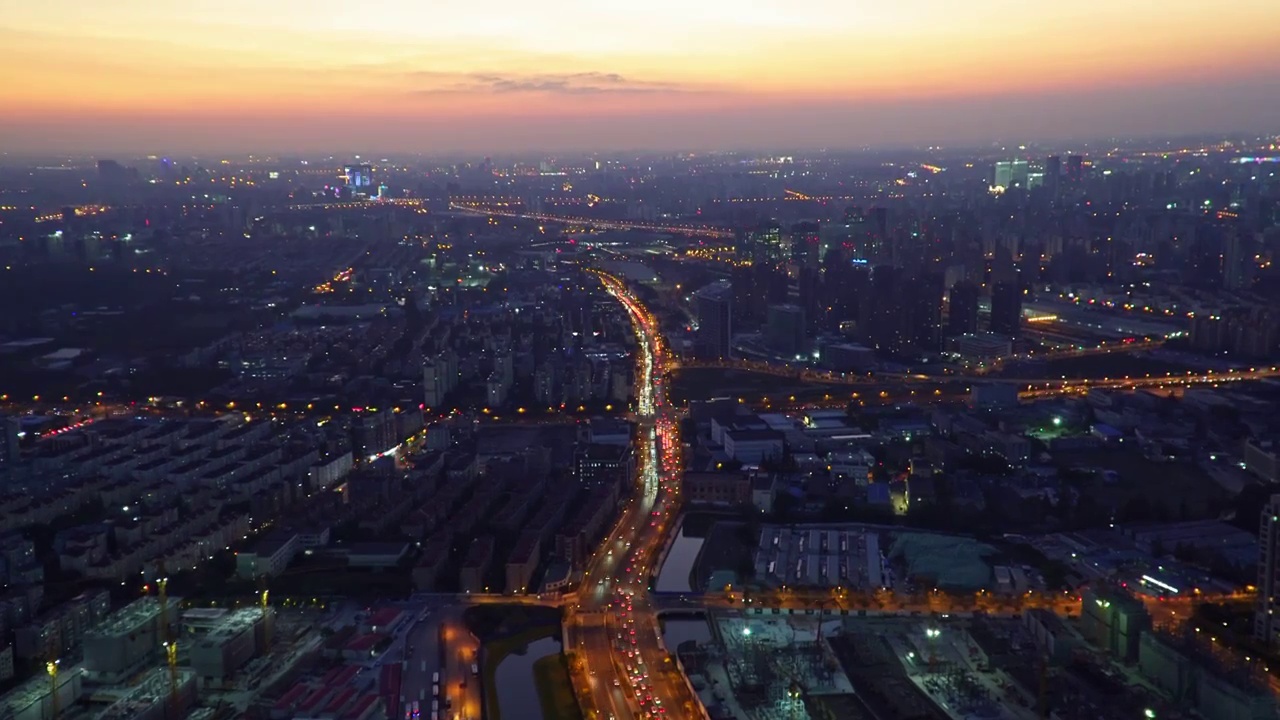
(219,642)
(125,643)
(157,697)
(34,699)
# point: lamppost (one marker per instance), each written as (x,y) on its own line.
(931,634)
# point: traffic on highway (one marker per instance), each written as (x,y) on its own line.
(624,669)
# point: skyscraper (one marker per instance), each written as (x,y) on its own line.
(882,322)
(715,310)
(805,246)
(1003,174)
(767,243)
(1011,173)
(962,313)
(358,178)
(1006,309)
(925,297)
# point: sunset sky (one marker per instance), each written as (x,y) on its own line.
(503,75)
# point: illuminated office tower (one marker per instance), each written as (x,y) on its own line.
(1011,173)
(358,178)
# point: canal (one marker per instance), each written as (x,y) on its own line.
(517,687)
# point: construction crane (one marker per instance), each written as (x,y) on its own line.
(51,667)
(266,621)
(170,643)
(171,656)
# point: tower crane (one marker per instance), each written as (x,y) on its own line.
(51,667)
(171,656)
(170,643)
(266,621)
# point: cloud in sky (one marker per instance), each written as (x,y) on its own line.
(579,83)
(252,74)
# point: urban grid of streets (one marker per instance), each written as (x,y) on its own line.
(621,667)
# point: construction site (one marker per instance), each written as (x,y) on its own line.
(147,660)
(770,665)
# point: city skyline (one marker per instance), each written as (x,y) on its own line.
(572,76)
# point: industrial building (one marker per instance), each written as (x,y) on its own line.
(223,641)
(821,557)
(154,698)
(124,643)
(1192,679)
(33,700)
(1114,621)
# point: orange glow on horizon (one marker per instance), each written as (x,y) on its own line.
(290,60)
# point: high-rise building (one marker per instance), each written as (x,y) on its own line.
(1003,174)
(1266,623)
(604,464)
(962,312)
(714,306)
(358,178)
(755,287)
(844,286)
(1236,261)
(809,292)
(1011,173)
(806,246)
(544,384)
(925,309)
(785,332)
(10,450)
(767,243)
(1052,174)
(862,237)
(439,378)
(1075,170)
(374,433)
(1006,309)
(881,319)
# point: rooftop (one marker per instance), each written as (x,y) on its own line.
(232,625)
(130,618)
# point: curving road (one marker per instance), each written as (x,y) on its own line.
(622,670)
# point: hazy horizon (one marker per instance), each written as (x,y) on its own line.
(570,76)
